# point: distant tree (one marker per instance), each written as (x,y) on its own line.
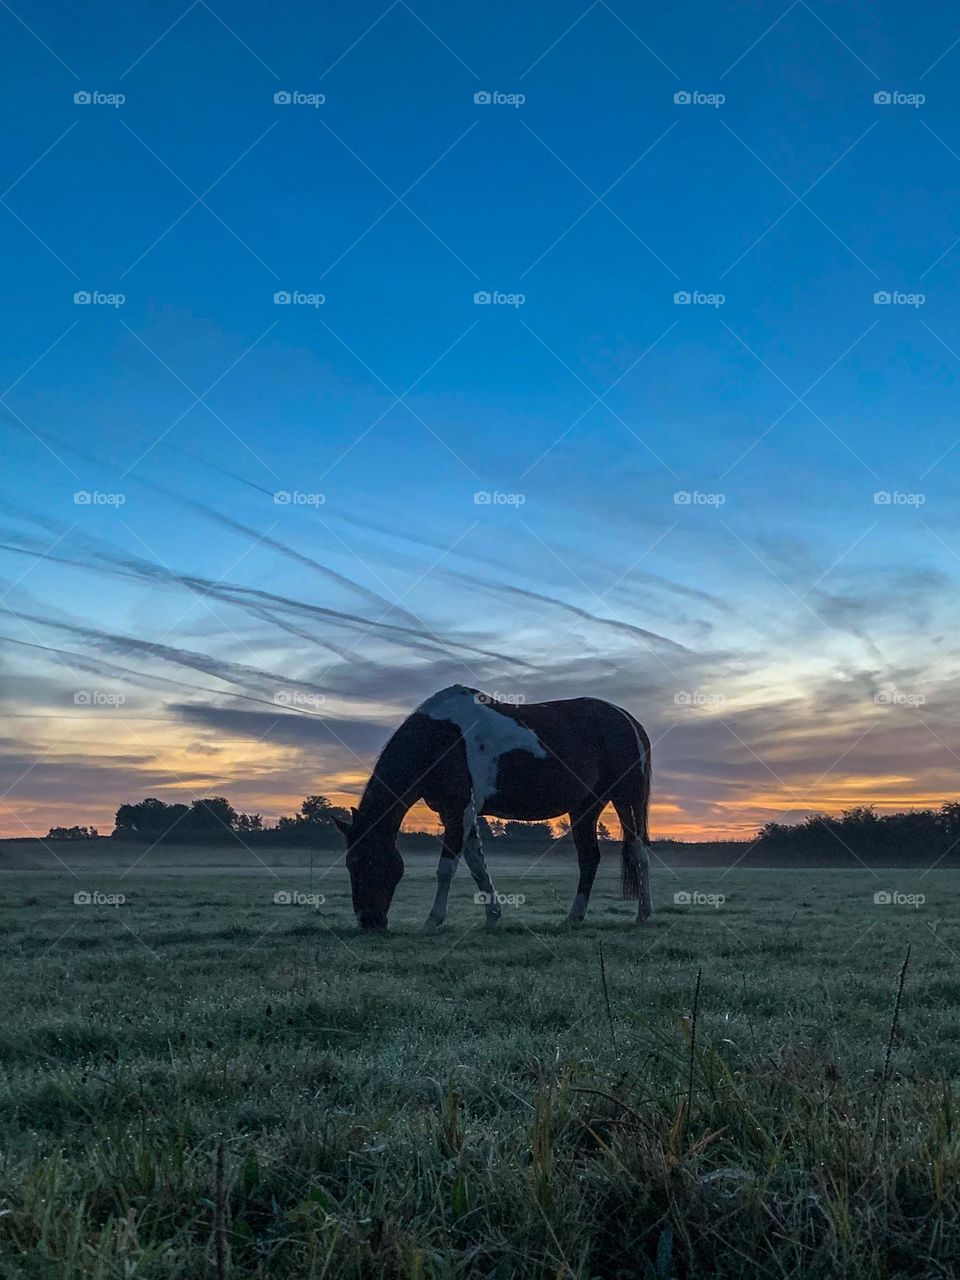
(318,811)
(209,819)
(249,822)
(603,831)
(151,820)
(564,828)
(496,827)
(949,813)
(528,831)
(72,833)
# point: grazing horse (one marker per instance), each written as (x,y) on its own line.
(464,754)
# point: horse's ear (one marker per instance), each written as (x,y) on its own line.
(343,827)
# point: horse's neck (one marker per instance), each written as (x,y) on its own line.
(393,785)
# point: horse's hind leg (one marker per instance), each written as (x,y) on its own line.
(636,855)
(583,826)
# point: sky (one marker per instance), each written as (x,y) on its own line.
(352,351)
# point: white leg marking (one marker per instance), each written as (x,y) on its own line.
(473,856)
(446,869)
(579,908)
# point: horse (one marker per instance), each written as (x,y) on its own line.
(467,754)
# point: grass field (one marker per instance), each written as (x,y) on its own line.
(475,1104)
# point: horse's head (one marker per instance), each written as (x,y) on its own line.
(375,867)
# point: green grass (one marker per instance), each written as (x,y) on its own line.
(460,1103)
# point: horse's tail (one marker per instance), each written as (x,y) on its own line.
(629,873)
(635,818)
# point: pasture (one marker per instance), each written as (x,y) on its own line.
(201,1081)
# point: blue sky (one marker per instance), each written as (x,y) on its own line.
(777,634)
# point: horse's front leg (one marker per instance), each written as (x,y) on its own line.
(473,854)
(446,870)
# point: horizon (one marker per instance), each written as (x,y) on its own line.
(576,351)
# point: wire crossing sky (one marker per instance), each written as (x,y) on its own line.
(576,349)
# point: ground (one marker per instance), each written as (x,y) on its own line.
(471,1103)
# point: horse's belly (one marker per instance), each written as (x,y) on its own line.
(529,789)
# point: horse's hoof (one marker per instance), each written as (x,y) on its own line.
(430,925)
(493,922)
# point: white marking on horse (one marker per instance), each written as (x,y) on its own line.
(487,735)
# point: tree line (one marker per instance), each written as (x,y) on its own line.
(863,830)
(214,820)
